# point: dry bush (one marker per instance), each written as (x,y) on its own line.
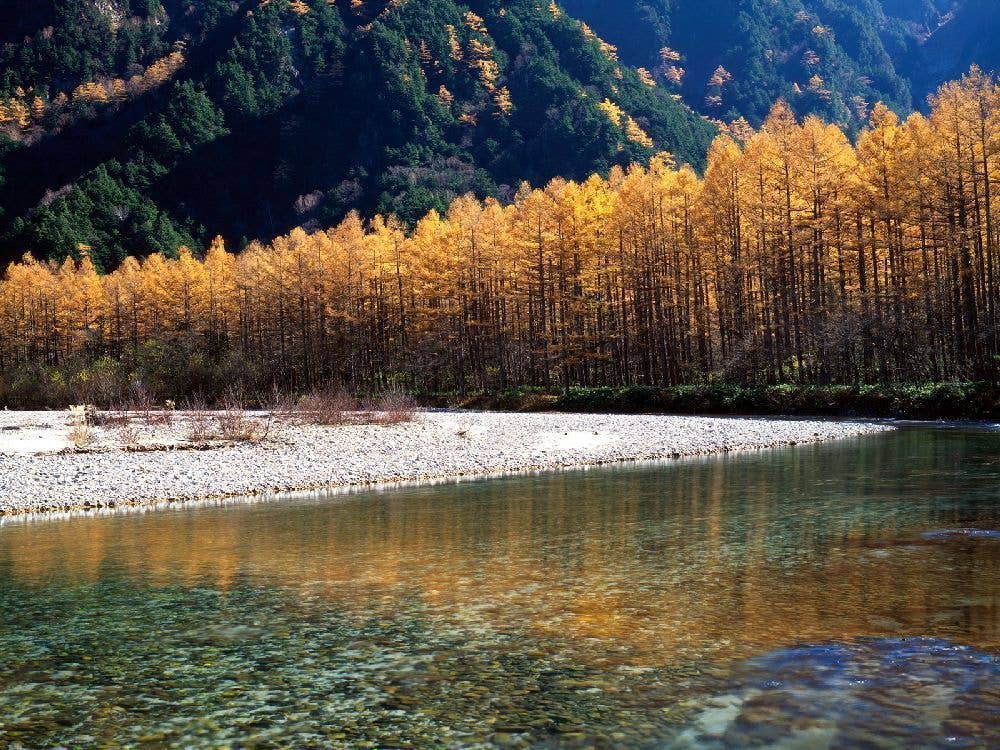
(110,419)
(391,407)
(128,436)
(199,429)
(160,417)
(116,416)
(326,406)
(236,425)
(282,404)
(199,423)
(140,400)
(80,435)
(80,420)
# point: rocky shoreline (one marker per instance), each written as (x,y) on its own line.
(41,470)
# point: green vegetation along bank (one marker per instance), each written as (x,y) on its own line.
(963,401)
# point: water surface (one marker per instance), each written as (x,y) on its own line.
(819,596)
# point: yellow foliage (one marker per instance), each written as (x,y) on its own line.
(668,55)
(502,101)
(489,72)
(162,70)
(818,86)
(453,43)
(37,109)
(720,77)
(636,134)
(612,110)
(479,50)
(475,23)
(610,51)
(674,74)
(16,112)
(119,91)
(90,92)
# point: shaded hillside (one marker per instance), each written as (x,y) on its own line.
(967,36)
(834,58)
(132,127)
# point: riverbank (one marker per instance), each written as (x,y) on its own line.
(43,466)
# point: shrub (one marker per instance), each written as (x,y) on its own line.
(80,435)
(199,424)
(326,406)
(128,436)
(391,407)
(236,425)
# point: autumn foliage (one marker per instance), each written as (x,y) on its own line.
(798,257)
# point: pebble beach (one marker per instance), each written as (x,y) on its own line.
(42,470)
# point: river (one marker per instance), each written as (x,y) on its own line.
(829,595)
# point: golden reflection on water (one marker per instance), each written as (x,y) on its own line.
(714,558)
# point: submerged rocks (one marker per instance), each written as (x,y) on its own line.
(945,535)
(873,692)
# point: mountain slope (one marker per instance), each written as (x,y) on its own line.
(834,58)
(964,36)
(161,124)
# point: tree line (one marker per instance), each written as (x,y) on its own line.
(798,257)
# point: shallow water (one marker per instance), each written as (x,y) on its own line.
(840,595)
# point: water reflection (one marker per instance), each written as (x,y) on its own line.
(643,580)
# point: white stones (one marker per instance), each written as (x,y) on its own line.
(436,445)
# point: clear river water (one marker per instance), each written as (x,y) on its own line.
(840,595)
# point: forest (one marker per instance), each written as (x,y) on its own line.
(302,111)
(798,257)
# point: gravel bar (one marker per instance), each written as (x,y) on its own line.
(40,471)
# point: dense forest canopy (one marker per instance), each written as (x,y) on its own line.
(113,113)
(798,257)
